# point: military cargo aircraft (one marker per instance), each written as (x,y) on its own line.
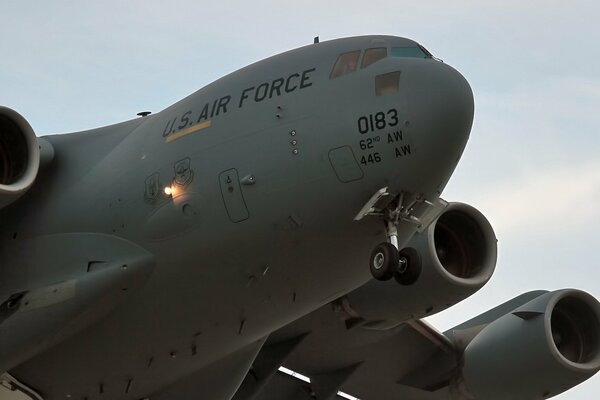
(278,234)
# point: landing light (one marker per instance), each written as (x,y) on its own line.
(169,191)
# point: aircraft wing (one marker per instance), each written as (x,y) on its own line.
(326,357)
(91,275)
(360,362)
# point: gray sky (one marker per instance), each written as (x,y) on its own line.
(530,166)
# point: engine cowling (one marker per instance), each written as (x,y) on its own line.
(537,351)
(457,256)
(19,156)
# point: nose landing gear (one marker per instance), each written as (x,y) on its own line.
(387,259)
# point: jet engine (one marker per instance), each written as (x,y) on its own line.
(19,156)
(448,262)
(538,350)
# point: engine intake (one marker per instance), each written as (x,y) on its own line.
(19,156)
(464,244)
(539,350)
(456,255)
(575,330)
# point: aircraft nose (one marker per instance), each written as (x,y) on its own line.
(440,116)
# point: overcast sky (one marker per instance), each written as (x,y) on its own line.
(531,165)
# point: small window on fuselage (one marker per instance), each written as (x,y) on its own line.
(387,83)
(345,64)
(373,55)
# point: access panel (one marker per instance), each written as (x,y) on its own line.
(345,165)
(232,195)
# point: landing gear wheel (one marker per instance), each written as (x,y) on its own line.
(384,261)
(409,266)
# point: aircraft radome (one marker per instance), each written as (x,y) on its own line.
(208,250)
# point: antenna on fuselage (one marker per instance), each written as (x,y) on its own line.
(316,40)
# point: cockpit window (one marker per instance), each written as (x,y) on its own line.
(414,52)
(345,64)
(387,83)
(373,55)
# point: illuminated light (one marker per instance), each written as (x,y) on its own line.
(169,190)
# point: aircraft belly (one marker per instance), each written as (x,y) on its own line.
(218,285)
(205,309)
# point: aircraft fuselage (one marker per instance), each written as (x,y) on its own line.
(245,193)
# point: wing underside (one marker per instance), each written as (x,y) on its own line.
(323,357)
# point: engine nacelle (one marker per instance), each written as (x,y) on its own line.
(19,156)
(537,351)
(457,256)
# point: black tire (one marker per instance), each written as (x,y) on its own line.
(384,261)
(408,273)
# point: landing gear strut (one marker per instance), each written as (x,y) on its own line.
(387,260)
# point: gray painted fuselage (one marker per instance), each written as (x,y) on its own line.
(259,230)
